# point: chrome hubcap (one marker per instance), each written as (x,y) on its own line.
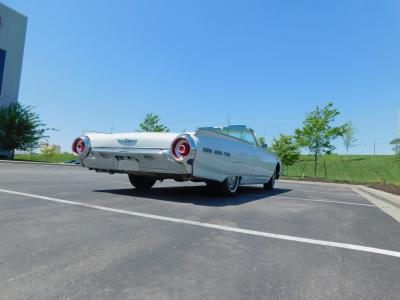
(232,182)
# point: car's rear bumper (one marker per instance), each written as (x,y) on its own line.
(131,161)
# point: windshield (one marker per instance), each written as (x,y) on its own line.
(237,131)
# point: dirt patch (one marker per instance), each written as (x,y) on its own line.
(319,179)
(389,188)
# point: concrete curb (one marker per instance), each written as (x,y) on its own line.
(36,163)
(384,196)
(387,202)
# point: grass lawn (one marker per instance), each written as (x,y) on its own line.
(354,168)
(56,158)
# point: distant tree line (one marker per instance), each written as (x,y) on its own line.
(317,135)
(22,129)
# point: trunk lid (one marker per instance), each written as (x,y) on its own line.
(132,140)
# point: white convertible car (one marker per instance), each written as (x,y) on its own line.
(222,157)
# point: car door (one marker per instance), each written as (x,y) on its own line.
(242,161)
(245,154)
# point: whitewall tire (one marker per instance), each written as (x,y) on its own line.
(228,187)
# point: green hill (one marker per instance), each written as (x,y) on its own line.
(353,168)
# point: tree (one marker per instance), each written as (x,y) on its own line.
(349,139)
(261,140)
(151,123)
(20,128)
(287,149)
(317,132)
(396,146)
(48,151)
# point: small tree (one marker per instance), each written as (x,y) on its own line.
(317,132)
(349,139)
(151,123)
(20,128)
(287,149)
(261,140)
(48,151)
(396,146)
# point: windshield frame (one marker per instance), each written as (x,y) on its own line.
(235,128)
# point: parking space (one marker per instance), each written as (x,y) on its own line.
(69,232)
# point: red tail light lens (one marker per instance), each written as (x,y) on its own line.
(78,146)
(81,146)
(180,148)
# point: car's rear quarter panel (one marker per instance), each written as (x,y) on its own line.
(219,156)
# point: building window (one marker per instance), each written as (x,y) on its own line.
(2,66)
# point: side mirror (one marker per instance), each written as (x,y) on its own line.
(265,146)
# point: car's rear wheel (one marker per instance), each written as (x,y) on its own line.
(226,188)
(141,183)
(271,183)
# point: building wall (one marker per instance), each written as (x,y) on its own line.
(12,40)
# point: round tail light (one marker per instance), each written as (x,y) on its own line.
(81,146)
(180,148)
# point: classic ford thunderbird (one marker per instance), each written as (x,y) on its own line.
(222,157)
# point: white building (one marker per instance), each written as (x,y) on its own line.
(12,40)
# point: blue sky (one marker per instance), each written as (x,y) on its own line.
(101,64)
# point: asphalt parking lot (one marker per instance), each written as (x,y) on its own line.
(69,233)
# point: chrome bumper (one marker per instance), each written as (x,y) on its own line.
(136,161)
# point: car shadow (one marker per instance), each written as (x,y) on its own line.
(198,195)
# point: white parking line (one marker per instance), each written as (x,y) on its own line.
(329,192)
(214,226)
(320,187)
(320,191)
(324,201)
